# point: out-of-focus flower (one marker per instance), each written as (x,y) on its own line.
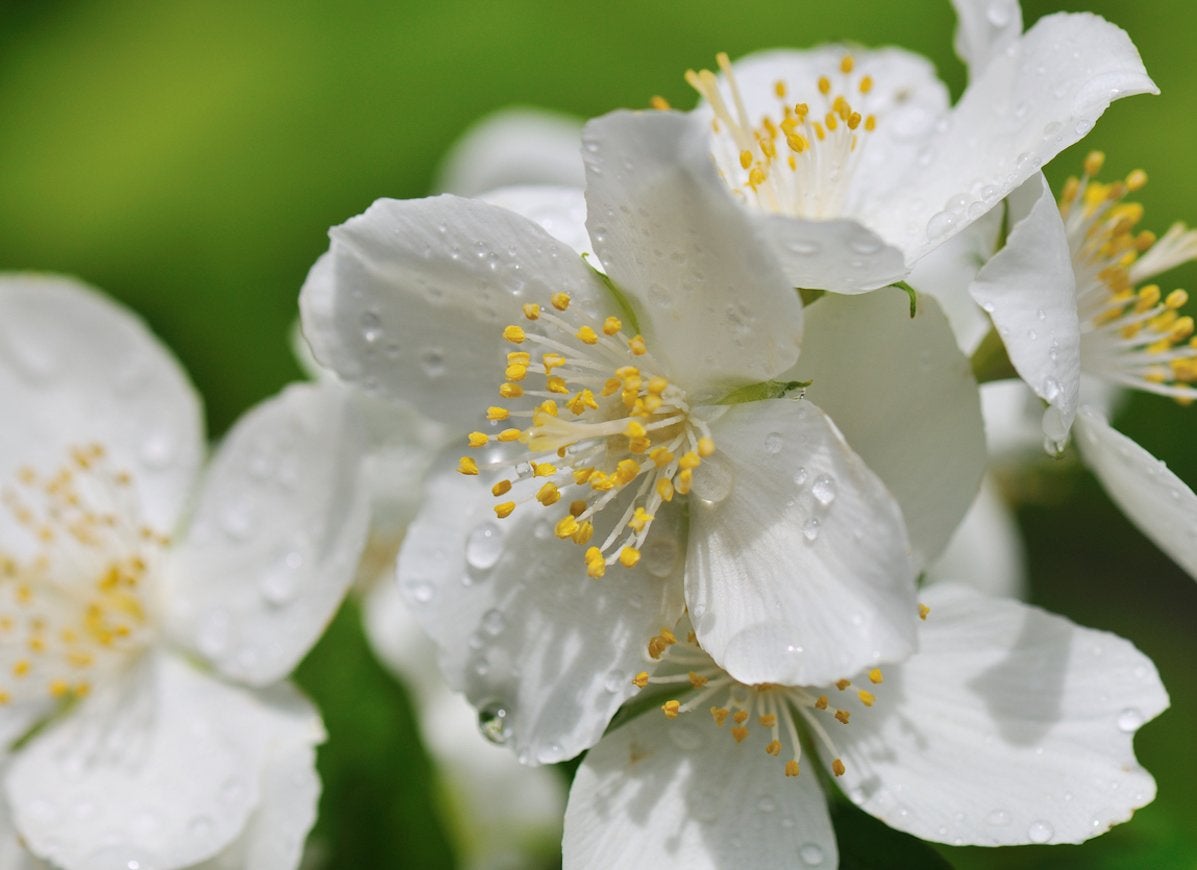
(1008,726)
(664,378)
(147,615)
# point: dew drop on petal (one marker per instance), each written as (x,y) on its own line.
(494,722)
(823,489)
(810,529)
(998,818)
(420,591)
(800,476)
(774,443)
(812,855)
(432,361)
(484,546)
(940,224)
(1130,720)
(371,327)
(493,622)
(660,554)
(686,737)
(1040,831)
(616,680)
(766,804)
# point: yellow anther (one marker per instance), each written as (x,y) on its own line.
(866,697)
(831,121)
(842,684)
(779,88)
(791,768)
(1176,299)
(640,519)
(582,401)
(467,465)
(566,526)
(719,714)
(745,159)
(660,457)
(689,460)
(584,533)
(797,142)
(659,103)
(773,747)
(495,413)
(837,767)
(587,335)
(551,361)
(531,310)
(876,677)
(20,668)
(548,494)
(596,567)
(640,680)
(542,469)
(519,356)
(514,334)
(560,301)
(509,435)
(853,120)
(629,556)
(768,720)
(516,372)
(58,688)
(510,391)
(635,430)
(556,384)
(824,85)
(756,176)
(740,717)
(501,488)
(637,346)
(612,325)
(683,481)
(739,732)
(842,716)
(4,697)
(866,84)
(847,64)
(1094,161)
(504,509)
(697,680)
(665,489)
(612,386)
(577,508)
(706,447)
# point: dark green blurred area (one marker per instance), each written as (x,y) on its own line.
(188,157)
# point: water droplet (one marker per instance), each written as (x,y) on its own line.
(494,722)
(686,737)
(805,248)
(865,245)
(940,224)
(237,522)
(371,327)
(988,307)
(660,554)
(811,854)
(1040,832)
(998,13)
(1051,389)
(998,817)
(713,482)
(420,591)
(766,803)
(616,680)
(810,529)
(1051,128)
(493,622)
(281,585)
(856,795)
(823,489)
(800,476)
(1032,334)
(1130,720)
(774,443)
(484,546)
(1083,126)
(200,827)
(432,361)
(157,451)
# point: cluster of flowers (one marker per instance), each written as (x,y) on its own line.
(678,447)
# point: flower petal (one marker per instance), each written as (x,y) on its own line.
(661,793)
(162,767)
(1009,725)
(1029,290)
(520,626)
(869,361)
(798,568)
(412,299)
(76,368)
(274,835)
(1158,502)
(275,538)
(560,211)
(1031,101)
(512,146)
(710,296)
(985,28)
(986,552)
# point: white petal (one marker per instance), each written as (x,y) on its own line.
(682,793)
(1158,502)
(1030,102)
(842,256)
(985,28)
(13,854)
(274,836)
(905,398)
(710,296)
(515,145)
(560,211)
(76,368)
(986,552)
(414,296)
(519,624)
(1029,290)
(276,536)
(162,767)
(798,568)
(1009,725)
(947,271)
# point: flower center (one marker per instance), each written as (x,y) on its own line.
(770,712)
(605,423)
(74,605)
(1135,337)
(800,161)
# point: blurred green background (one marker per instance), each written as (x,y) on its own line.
(188,157)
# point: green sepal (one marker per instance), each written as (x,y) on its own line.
(990,361)
(761,391)
(627,313)
(912,293)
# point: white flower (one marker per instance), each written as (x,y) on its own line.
(147,618)
(853,163)
(1008,726)
(790,553)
